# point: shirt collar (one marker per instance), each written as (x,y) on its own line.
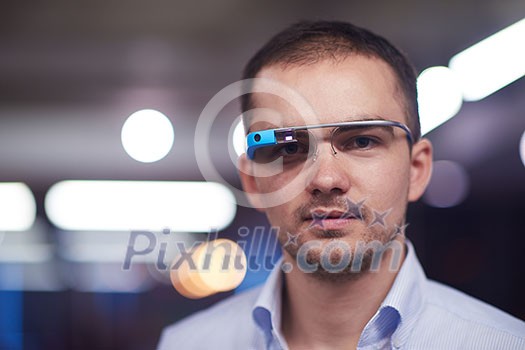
(395,317)
(400,308)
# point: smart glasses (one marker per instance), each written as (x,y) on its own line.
(297,144)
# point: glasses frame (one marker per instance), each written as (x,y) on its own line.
(271,137)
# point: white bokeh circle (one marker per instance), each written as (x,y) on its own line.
(147,136)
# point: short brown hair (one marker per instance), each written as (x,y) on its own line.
(309,42)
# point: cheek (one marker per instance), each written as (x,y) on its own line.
(282,217)
(277,175)
(281,188)
(387,185)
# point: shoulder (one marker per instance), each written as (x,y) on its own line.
(469,320)
(228,321)
(460,305)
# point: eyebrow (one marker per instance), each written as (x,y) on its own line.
(388,128)
(368,118)
(272,127)
(373,117)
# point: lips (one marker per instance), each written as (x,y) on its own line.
(330,214)
(329,219)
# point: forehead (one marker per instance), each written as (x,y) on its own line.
(353,88)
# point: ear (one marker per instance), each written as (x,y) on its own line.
(420,169)
(249,183)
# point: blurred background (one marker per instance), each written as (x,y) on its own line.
(70,76)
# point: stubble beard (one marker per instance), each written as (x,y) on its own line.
(364,245)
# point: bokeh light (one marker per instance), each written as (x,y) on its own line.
(181,206)
(238,138)
(522,148)
(147,136)
(439,97)
(17,207)
(491,64)
(448,186)
(219,266)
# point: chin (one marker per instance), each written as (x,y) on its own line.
(336,259)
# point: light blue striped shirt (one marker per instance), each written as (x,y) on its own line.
(417,313)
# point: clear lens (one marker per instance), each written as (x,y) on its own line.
(352,139)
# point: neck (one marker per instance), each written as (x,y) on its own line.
(329,314)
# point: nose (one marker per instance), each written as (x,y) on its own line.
(327,174)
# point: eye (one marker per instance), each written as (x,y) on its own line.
(359,143)
(292,151)
(363,142)
(291,148)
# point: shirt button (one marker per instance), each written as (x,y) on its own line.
(396,344)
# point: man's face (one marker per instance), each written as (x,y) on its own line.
(325,189)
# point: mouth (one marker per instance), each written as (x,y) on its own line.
(327,213)
(330,219)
